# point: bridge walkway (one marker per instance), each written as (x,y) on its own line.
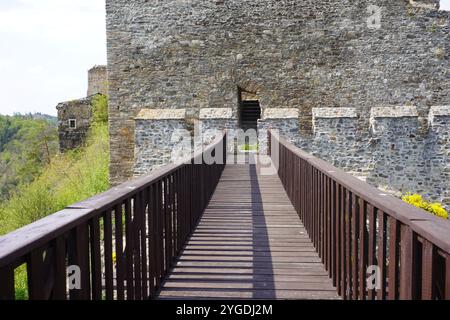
(249,244)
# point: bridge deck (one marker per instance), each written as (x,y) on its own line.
(249,244)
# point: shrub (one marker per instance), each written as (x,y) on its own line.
(100,110)
(70,177)
(433,208)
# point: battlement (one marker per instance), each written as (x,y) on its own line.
(390,150)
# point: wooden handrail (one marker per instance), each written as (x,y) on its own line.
(354,225)
(144,222)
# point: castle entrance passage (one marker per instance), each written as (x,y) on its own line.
(250,112)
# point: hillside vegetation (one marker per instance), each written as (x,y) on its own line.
(27,144)
(63,180)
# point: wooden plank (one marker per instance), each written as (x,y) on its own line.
(447,277)
(107,221)
(143,237)
(355,239)
(96,264)
(60,287)
(342,251)
(129,250)
(337,241)
(407,263)
(151,240)
(428,274)
(381,291)
(7,291)
(120,263)
(79,256)
(239,251)
(348,244)
(137,213)
(394,239)
(371,253)
(35,275)
(362,249)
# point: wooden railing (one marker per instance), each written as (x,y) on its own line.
(355,226)
(123,241)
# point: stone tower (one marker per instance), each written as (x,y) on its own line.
(97,81)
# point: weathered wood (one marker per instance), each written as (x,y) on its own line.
(7,291)
(60,287)
(407,258)
(107,221)
(371,254)
(96,264)
(381,291)
(247,253)
(394,238)
(428,274)
(35,275)
(120,261)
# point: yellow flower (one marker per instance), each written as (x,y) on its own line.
(438,210)
(434,208)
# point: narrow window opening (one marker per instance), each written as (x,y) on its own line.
(72,123)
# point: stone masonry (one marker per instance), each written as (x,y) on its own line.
(305,54)
(80,113)
(97,80)
(74,117)
(328,74)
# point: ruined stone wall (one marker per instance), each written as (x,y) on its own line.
(97,81)
(194,54)
(80,111)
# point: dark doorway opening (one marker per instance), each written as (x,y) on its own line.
(249,110)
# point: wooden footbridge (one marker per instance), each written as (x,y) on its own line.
(232,230)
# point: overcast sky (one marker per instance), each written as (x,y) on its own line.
(46,48)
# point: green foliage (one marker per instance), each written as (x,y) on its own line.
(62,180)
(27,144)
(21,282)
(433,208)
(68,178)
(249,147)
(99,110)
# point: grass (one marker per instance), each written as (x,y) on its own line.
(68,178)
(249,147)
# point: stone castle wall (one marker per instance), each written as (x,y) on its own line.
(394,153)
(305,54)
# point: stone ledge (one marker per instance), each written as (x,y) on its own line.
(423,4)
(393,112)
(439,111)
(280,113)
(161,114)
(334,113)
(216,113)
